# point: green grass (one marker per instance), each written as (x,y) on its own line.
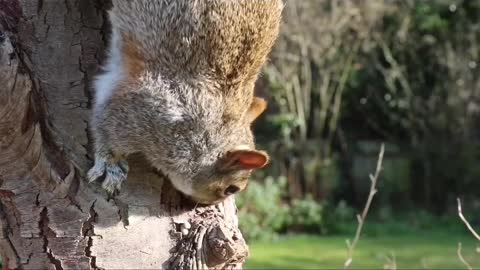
(427,250)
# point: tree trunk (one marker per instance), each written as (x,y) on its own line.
(50,218)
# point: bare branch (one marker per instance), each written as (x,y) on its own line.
(470,228)
(361,219)
(391,262)
(424,263)
(462,259)
(460,214)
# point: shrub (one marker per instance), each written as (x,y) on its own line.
(339,219)
(262,213)
(306,215)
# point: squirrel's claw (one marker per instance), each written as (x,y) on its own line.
(115,174)
(96,171)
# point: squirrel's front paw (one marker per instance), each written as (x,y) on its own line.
(115,174)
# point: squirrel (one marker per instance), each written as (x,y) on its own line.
(178,87)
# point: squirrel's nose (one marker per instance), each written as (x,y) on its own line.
(232,189)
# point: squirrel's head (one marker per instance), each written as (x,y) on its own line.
(215,163)
(228,176)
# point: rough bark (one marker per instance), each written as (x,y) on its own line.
(50,218)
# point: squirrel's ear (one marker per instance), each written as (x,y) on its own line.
(243,160)
(257,107)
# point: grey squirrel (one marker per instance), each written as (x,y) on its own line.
(178,87)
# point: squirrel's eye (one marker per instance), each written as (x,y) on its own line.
(232,189)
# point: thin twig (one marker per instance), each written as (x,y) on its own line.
(459,253)
(424,263)
(391,262)
(361,219)
(470,228)
(460,214)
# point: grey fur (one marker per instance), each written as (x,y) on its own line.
(188,104)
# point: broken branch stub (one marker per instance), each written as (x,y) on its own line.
(212,242)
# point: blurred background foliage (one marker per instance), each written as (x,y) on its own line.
(346,75)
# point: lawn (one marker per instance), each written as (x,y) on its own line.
(414,251)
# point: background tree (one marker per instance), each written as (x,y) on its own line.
(347,75)
(417,86)
(309,71)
